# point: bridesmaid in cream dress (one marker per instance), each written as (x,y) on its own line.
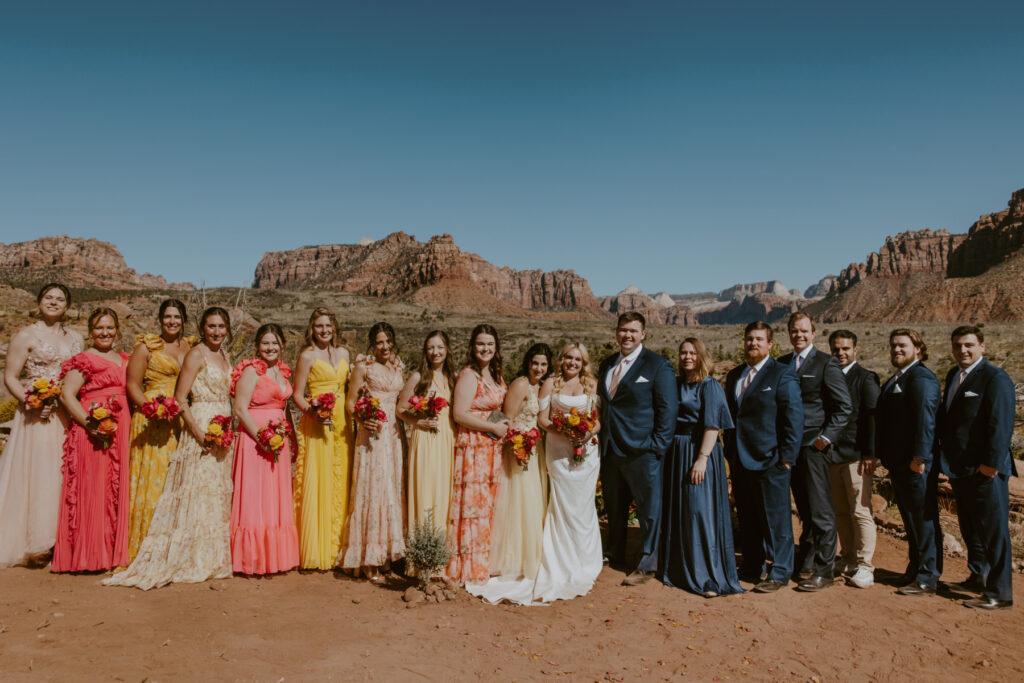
(322,463)
(518,527)
(30,480)
(189,535)
(432,445)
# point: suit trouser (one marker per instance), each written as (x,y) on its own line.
(766,525)
(917,500)
(627,478)
(855,523)
(812,492)
(982,506)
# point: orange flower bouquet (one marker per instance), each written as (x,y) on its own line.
(574,426)
(522,442)
(101,420)
(43,392)
(272,436)
(219,433)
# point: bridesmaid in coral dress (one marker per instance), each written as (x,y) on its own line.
(30,463)
(153,371)
(479,391)
(92,532)
(375,524)
(322,461)
(431,448)
(263,535)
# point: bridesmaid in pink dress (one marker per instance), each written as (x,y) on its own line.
(92,531)
(479,390)
(264,539)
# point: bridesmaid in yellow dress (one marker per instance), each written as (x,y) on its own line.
(153,371)
(431,448)
(322,464)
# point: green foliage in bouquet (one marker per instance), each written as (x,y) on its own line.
(426,548)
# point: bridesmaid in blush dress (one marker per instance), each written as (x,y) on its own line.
(263,535)
(92,532)
(479,391)
(697,547)
(30,463)
(375,520)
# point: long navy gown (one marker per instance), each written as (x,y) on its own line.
(697,549)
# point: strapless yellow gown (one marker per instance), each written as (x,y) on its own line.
(322,471)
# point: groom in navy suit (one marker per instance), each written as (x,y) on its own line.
(637,389)
(975,426)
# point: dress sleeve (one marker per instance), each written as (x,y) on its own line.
(77,362)
(153,342)
(255,363)
(714,408)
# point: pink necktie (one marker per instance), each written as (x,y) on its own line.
(617,374)
(956,387)
(748,380)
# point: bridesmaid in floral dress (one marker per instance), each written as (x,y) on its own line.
(263,535)
(92,531)
(375,522)
(30,463)
(322,462)
(153,371)
(189,536)
(479,391)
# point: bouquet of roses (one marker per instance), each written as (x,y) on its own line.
(368,408)
(42,392)
(574,425)
(101,419)
(521,443)
(219,433)
(160,408)
(427,407)
(271,437)
(323,408)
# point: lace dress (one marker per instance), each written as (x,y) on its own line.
(151,442)
(189,538)
(375,522)
(92,529)
(30,464)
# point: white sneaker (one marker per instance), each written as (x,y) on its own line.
(863,578)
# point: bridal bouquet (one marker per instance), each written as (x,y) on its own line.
(271,437)
(160,408)
(368,408)
(42,392)
(219,433)
(521,442)
(323,408)
(101,419)
(427,407)
(574,426)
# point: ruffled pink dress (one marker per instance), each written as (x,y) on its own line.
(92,528)
(264,539)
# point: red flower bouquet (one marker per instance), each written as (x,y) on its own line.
(160,408)
(521,442)
(368,408)
(323,408)
(219,433)
(271,437)
(427,407)
(574,425)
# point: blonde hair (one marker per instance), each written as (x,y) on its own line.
(705,364)
(586,376)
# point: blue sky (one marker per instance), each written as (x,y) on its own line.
(680,146)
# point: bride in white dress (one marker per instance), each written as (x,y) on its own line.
(571,549)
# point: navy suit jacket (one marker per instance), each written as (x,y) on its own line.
(825,395)
(641,419)
(905,419)
(769,418)
(977,427)
(857,439)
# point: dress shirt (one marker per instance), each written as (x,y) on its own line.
(899,373)
(627,361)
(746,371)
(846,368)
(800,358)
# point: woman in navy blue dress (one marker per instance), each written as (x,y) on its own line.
(697,549)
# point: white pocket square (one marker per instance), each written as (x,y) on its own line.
(641,379)
(808,375)
(970,394)
(767,389)
(896,389)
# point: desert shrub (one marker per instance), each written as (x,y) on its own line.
(426,548)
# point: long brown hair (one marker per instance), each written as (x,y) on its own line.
(319,312)
(99,313)
(427,371)
(496,363)
(705,364)
(67,298)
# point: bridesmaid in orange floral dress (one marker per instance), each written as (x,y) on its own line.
(92,531)
(479,390)
(263,535)
(375,535)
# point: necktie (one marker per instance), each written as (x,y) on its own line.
(797,362)
(747,381)
(956,387)
(617,374)
(895,379)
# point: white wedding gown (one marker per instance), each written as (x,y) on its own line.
(571,552)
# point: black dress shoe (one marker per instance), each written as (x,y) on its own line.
(973,584)
(768,586)
(990,604)
(916,589)
(814,583)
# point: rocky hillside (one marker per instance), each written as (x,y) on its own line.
(737,304)
(928,275)
(437,273)
(75,261)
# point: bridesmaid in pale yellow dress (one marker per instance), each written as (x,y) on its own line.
(322,465)
(153,371)
(432,446)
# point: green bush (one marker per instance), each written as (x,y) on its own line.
(426,548)
(7,409)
